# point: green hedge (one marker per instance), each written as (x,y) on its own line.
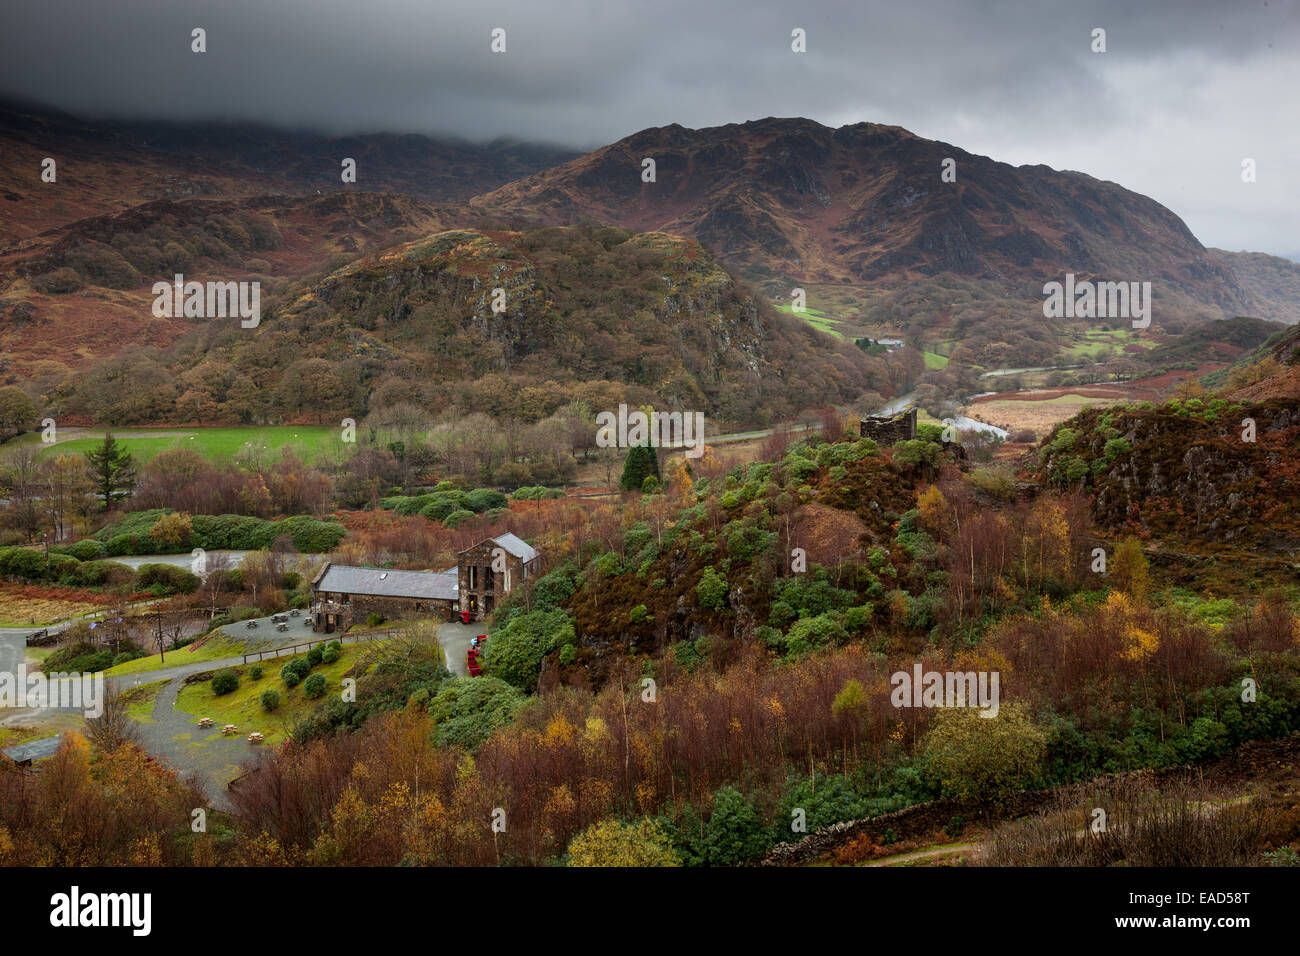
(217,533)
(445,501)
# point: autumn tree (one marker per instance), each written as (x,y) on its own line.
(1129,568)
(20,483)
(171,532)
(851,705)
(66,485)
(295,488)
(17,410)
(1045,543)
(933,507)
(311,387)
(613,843)
(980,759)
(113,726)
(679,479)
(1188,388)
(172,479)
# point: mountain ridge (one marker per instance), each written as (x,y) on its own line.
(792,201)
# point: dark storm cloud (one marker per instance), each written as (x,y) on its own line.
(1184,92)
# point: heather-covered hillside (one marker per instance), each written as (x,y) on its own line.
(598,315)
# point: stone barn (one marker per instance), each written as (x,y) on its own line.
(889,431)
(490,569)
(343,595)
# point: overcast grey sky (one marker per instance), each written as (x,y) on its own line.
(1184,92)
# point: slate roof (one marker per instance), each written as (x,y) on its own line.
(516,546)
(378,582)
(34,750)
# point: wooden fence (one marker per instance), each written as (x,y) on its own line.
(292,649)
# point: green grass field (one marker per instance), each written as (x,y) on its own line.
(219,445)
(139,701)
(243,706)
(1098,344)
(934,360)
(214,649)
(814,317)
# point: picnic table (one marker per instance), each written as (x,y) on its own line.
(250,624)
(229,730)
(205,722)
(284,626)
(293,613)
(255,738)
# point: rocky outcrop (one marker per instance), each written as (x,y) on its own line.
(1193,471)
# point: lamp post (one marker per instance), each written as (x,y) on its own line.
(162,654)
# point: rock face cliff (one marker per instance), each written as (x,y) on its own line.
(1186,472)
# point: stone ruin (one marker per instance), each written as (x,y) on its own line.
(889,431)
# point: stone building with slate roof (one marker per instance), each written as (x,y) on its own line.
(343,595)
(490,569)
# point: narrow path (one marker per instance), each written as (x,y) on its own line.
(939,852)
(174,736)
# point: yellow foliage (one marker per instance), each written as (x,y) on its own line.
(595,734)
(933,507)
(559,802)
(146,851)
(983,659)
(1130,569)
(396,797)
(171,530)
(1004,590)
(1140,644)
(264,850)
(1117,602)
(596,792)
(679,477)
(1050,553)
(611,843)
(560,732)
(646,799)
(465,770)
(352,818)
